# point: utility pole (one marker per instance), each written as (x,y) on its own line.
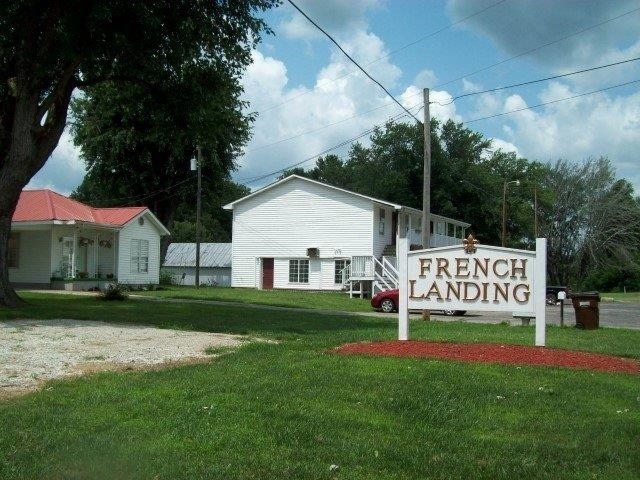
(426,183)
(535,211)
(504,208)
(426,174)
(504,213)
(198,213)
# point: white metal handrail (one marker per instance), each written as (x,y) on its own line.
(345,273)
(362,267)
(387,274)
(387,266)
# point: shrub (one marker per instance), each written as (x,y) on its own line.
(114,291)
(166,277)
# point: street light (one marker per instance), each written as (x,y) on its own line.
(504,208)
(195,165)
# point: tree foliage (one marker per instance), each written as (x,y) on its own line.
(48,50)
(135,154)
(592,224)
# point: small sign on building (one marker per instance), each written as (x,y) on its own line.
(476,277)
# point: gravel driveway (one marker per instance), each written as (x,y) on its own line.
(32,351)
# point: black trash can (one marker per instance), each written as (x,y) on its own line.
(585,305)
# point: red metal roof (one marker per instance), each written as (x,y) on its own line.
(46,205)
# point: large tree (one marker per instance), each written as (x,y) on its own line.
(137,143)
(50,49)
(592,223)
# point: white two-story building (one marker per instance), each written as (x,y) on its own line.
(299,233)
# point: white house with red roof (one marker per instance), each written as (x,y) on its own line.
(57,242)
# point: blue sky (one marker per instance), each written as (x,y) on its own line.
(309,97)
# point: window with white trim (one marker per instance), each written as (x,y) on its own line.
(13,252)
(139,256)
(339,275)
(299,271)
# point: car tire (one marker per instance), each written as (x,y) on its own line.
(387,305)
(454,313)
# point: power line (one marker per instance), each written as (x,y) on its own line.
(315,156)
(399,116)
(252,180)
(404,47)
(436,32)
(539,47)
(132,199)
(319,128)
(530,82)
(553,101)
(352,60)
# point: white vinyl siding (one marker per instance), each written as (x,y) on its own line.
(126,269)
(381,241)
(34,258)
(139,256)
(286,220)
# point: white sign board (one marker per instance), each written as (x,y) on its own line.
(479,277)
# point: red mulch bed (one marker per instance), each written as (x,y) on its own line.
(491,353)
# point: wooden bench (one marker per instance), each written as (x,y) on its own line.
(525,317)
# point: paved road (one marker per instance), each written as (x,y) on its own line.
(612,314)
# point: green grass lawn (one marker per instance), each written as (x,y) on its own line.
(280,298)
(293,409)
(622,297)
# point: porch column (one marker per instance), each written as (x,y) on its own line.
(73,253)
(116,272)
(95,255)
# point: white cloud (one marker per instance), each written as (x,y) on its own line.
(602,124)
(563,36)
(426,78)
(469,87)
(499,144)
(337,17)
(308,121)
(303,122)
(64,170)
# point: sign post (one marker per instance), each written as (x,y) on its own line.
(403,308)
(540,290)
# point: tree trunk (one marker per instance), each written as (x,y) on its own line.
(29,146)
(8,296)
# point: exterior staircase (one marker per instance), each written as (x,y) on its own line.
(369,275)
(389,251)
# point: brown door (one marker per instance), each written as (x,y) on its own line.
(267,273)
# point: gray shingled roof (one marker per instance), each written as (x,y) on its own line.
(211,255)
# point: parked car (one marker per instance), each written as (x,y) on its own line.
(552,293)
(388,301)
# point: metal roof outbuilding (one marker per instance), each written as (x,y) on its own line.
(212,255)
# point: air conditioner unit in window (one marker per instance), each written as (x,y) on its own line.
(313,252)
